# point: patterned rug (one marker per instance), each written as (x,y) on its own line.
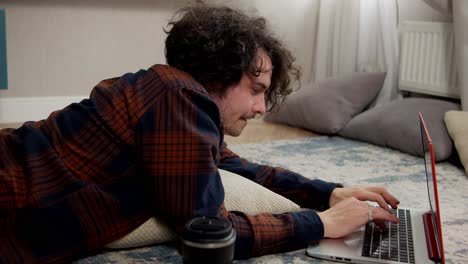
(352,163)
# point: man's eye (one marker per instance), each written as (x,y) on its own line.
(256,91)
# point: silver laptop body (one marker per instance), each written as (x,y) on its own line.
(349,249)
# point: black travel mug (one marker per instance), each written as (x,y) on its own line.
(208,240)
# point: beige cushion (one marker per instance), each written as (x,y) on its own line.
(241,194)
(457,127)
(150,232)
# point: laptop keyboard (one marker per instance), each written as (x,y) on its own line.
(395,244)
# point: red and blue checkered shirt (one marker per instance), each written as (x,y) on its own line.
(147,143)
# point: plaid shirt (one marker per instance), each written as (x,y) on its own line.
(147,143)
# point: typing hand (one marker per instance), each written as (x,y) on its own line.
(344,217)
(366,193)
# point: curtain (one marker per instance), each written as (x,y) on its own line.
(358,36)
(458,10)
(460,22)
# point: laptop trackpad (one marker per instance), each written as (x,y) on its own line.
(354,240)
(351,245)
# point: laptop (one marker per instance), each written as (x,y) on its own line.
(417,238)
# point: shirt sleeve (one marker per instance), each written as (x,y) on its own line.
(270,233)
(307,193)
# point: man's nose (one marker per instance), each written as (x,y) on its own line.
(259,106)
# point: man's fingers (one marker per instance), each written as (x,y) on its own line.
(392,200)
(381,225)
(380,214)
(371,196)
(388,197)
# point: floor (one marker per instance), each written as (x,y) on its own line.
(257,130)
(9,125)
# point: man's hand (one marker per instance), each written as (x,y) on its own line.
(366,193)
(349,214)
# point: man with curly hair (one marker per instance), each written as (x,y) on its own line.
(151,142)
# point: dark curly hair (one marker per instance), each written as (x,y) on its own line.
(219,44)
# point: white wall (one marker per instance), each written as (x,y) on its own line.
(418,10)
(62,48)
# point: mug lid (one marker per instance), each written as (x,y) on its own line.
(207,228)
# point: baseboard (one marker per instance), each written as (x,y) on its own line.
(22,109)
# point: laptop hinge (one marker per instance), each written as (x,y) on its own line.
(432,248)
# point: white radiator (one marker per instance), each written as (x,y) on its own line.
(427,58)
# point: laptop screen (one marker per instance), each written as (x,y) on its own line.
(430,178)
